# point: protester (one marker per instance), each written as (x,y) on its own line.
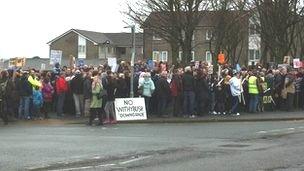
(236,91)
(176,92)
(77,90)
(253,92)
(147,87)
(26,92)
(37,102)
(61,89)
(162,90)
(189,91)
(87,93)
(47,93)
(3,96)
(111,87)
(189,95)
(96,101)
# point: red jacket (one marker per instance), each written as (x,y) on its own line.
(61,85)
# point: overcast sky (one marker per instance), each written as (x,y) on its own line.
(27,25)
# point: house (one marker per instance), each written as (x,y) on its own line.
(248,50)
(95,47)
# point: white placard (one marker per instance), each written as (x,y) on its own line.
(55,57)
(297,63)
(42,67)
(129,109)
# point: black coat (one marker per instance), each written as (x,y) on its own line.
(87,88)
(111,87)
(201,88)
(25,88)
(188,82)
(77,84)
(162,88)
(122,89)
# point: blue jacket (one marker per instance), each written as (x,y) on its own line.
(148,87)
(37,98)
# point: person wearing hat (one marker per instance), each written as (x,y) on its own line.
(77,90)
(236,91)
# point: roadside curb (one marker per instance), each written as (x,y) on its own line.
(213,120)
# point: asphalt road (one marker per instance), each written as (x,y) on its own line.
(262,146)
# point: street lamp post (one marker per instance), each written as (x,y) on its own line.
(132,60)
(106,43)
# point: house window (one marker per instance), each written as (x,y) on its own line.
(81,47)
(121,50)
(155,56)
(209,34)
(164,56)
(254,55)
(208,57)
(180,55)
(160,56)
(192,55)
(156,37)
(111,50)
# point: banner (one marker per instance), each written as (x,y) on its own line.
(129,109)
(55,57)
(17,62)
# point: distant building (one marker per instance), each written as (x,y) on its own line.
(29,63)
(95,47)
(158,49)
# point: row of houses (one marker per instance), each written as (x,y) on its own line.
(95,47)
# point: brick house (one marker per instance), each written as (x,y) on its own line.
(158,49)
(95,47)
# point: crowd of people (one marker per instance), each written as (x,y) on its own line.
(168,91)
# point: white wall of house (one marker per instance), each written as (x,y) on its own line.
(254,44)
(82,47)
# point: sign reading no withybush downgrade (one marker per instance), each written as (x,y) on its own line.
(128,109)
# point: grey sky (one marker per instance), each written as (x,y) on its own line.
(27,25)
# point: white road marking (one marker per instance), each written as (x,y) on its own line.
(134,160)
(75,168)
(105,165)
(284,130)
(84,168)
(262,132)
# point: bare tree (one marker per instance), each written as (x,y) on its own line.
(298,44)
(230,29)
(172,20)
(276,22)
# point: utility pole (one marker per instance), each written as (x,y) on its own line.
(132,60)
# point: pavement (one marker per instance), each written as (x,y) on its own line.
(244,117)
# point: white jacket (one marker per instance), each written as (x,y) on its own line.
(235,86)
